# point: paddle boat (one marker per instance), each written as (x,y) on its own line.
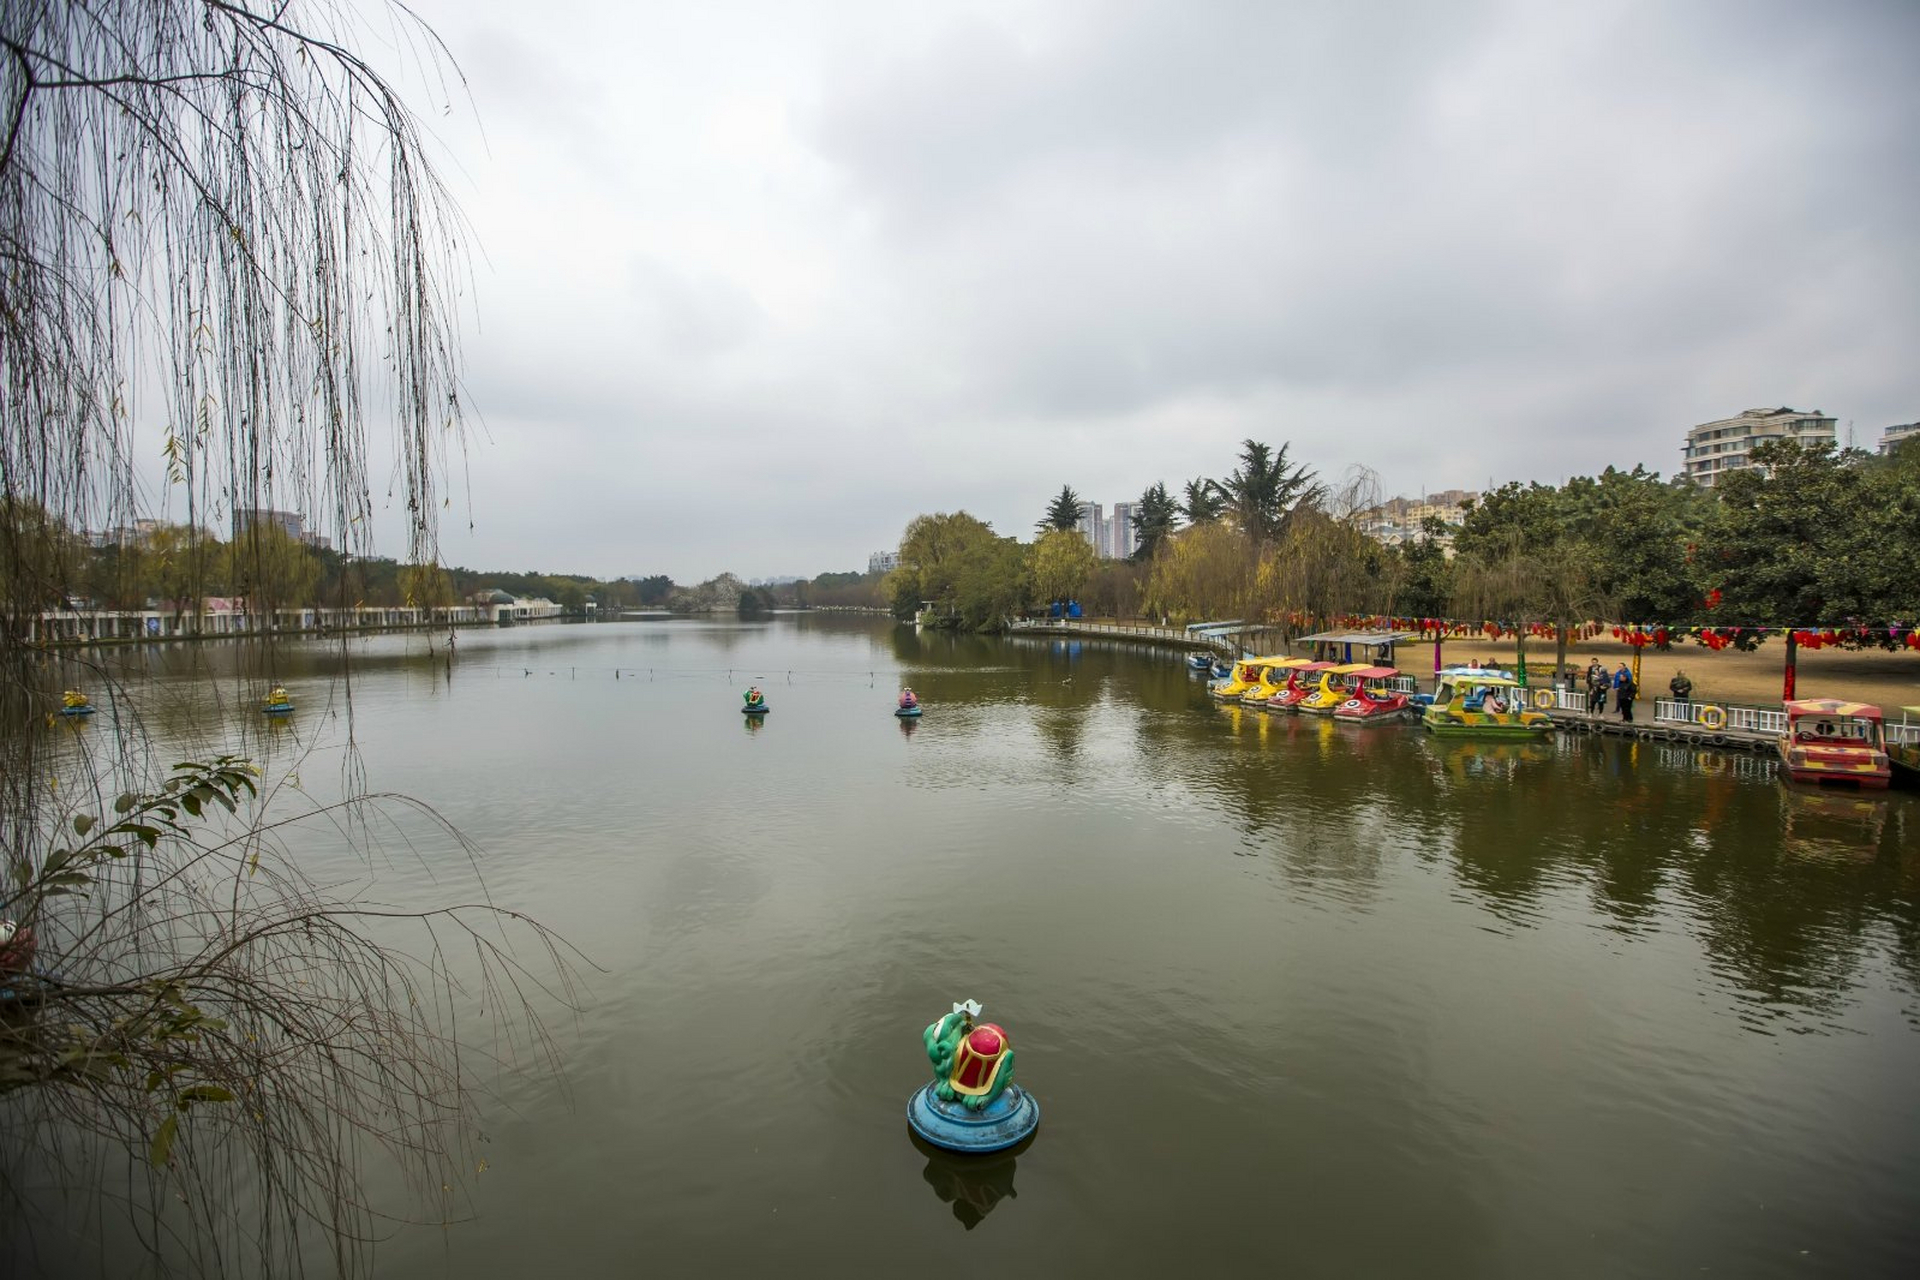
(755,702)
(75,703)
(1201,662)
(1373,700)
(1246,674)
(277,703)
(1830,743)
(1273,678)
(1303,682)
(1477,703)
(909,704)
(972,1104)
(1904,754)
(1336,686)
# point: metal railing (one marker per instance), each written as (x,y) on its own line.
(1905,733)
(1742,719)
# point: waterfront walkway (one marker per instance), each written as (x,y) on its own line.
(1737,726)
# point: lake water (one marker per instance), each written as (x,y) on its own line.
(1295,997)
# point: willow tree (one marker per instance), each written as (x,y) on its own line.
(221,245)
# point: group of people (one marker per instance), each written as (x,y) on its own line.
(1623,687)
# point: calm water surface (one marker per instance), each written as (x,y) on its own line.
(1294,996)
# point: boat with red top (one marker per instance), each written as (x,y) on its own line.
(1831,743)
(1373,700)
(1302,683)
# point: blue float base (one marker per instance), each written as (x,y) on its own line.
(905,712)
(1010,1119)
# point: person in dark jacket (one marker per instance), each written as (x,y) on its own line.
(1623,692)
(1681,687)
(1596,688)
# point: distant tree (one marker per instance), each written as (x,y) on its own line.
(1808,536)
(1202,573)
(1262,493)
(1426,577)
(655,589)
(1155,517)
(1064,512)
(1635,532)
(1059,563)
(1203,503)
(1114,589)
(425,586)
(271,569)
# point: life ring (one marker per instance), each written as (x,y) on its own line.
(1712,718)
(1544,699)
(1350,704)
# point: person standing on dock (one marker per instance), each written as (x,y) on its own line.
(1596,688)
(1680,687)
(1623,692)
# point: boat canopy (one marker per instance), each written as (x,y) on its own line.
(1284,664)
(1832,707)
(1209,628)
(1376,673)
(1305,667)
(1489,679)
(1352,668)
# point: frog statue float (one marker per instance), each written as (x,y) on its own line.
(972,1103)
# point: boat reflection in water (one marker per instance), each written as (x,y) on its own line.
(1832,826)
(1498,761)
(973,1185)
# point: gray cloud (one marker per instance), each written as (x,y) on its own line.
(830,266)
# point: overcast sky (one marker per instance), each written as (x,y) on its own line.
(757,283)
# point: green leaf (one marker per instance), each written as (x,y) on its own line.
(191,803)
(163,1141)
(205,1093)
(83,823)
(125,802)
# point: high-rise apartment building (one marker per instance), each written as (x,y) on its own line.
(883,562)
(1121,542)
(1715,449)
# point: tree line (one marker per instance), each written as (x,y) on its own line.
(1811,537)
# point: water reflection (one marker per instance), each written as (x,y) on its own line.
(973,1185)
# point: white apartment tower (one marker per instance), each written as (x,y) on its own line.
(1715,449)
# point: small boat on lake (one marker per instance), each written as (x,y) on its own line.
(1272,679)
(1476,703)
(1373,700)
(1829,743)
(1200,661)
(1303,682)
(277,703)
(1337,684)
(1246,674)
(909,705)
(75,703)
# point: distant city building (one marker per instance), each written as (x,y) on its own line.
(1894,435)
(1716,449)
(288,522)
(1121,538)
(1403,519)
(883,562)
(1092,526)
